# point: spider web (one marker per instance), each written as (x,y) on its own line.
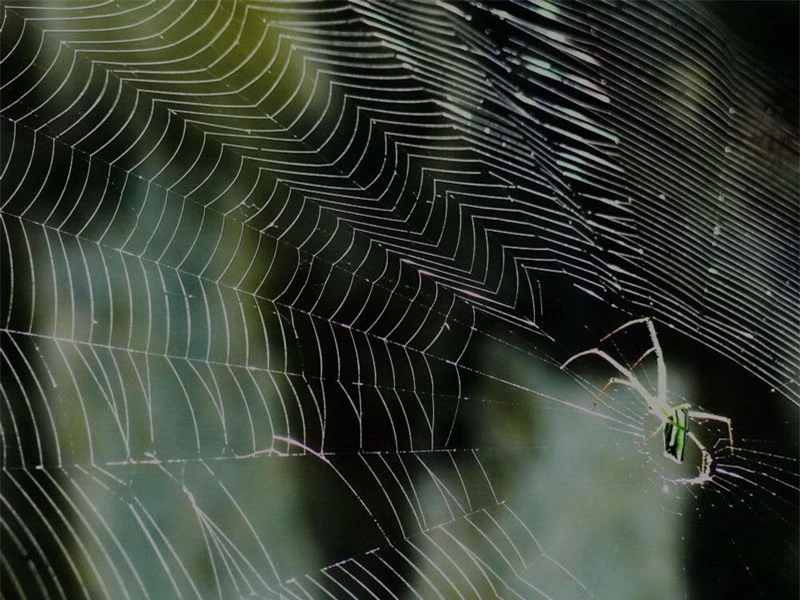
(286,289)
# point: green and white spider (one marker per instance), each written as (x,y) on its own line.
(674,419)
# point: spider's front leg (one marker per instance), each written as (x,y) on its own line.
(630,380)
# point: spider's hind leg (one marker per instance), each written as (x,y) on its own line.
(704,416)
(707,461)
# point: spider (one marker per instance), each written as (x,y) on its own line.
(674,419)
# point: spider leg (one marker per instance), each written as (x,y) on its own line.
(652,434)
(704,416)
(630,379)
(625,326)
(707,461)
(601,392)
(641,358)
(602,354)
(661,363)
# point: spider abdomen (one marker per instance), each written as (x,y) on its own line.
(676,428)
